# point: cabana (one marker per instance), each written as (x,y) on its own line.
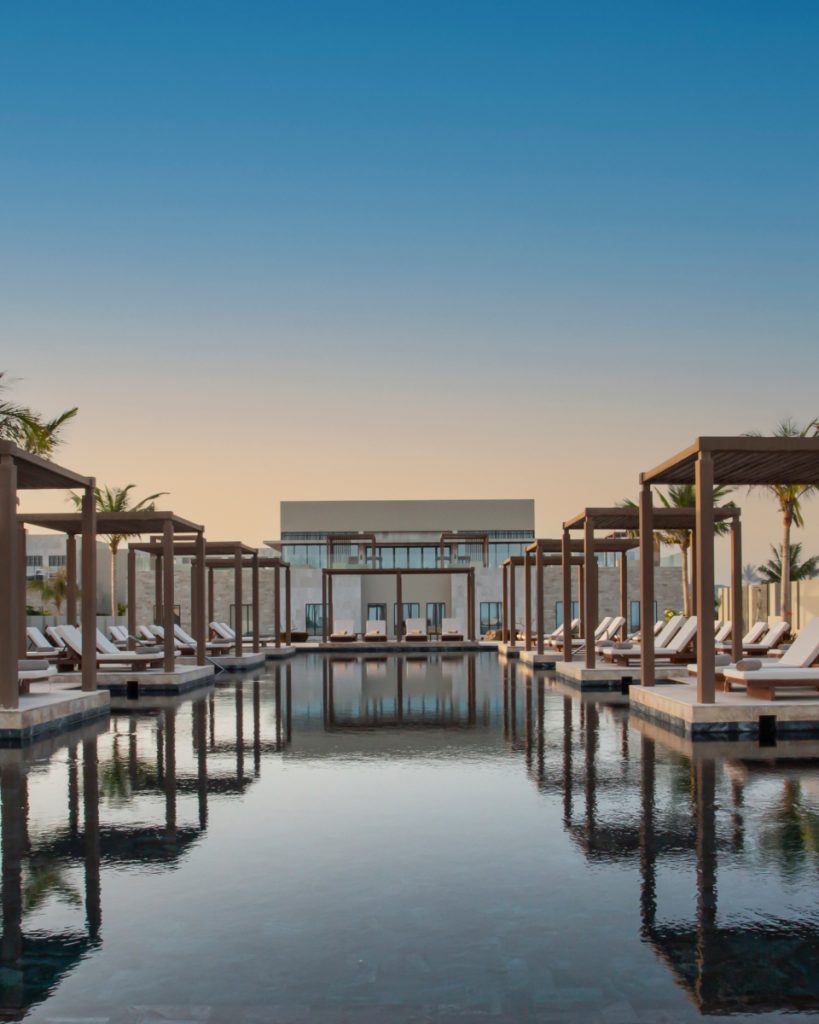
(21,471)
(509,598)
(710,461)
(172,529)
(255,562)
(628,519)
(564,550)
(328,575)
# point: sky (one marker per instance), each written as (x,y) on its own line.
(317,250)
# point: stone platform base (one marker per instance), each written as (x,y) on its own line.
(608,698)
(43,714)
(240,662)
(182,679)
(547,660)
(402,647)
(278,653)
(733,715)
(605,677)
(508,650)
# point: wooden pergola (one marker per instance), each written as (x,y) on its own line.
(563,550)
(20,471)
(710,461)
(236,553)
(327,592)
(363,540)
(628,519)
(255,562)
(509,598)
(127,524)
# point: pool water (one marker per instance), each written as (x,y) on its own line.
(398,839)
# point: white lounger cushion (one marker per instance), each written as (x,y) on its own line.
(451,627)
(376,627)
(776,633)
(343,627)
(223,630)
(39,641)
(417,626)
(795,662)
(723,633)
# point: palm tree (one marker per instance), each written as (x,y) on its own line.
(53,589)
(685,496)
(789,498)
(771,571)
(42,587)
(749,574)
(118,499)
(27,428)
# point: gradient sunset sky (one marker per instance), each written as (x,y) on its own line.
(340,249)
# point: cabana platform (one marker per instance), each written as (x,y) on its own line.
(576,675)
(404,647)
(743,751)
(239,662)
(278,653)
(509,650)
(180,679)
(675,707)
(39,715)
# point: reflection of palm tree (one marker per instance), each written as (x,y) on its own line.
(792,830)
(44,879)
(115,776)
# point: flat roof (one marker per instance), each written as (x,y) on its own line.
(110,522)
(744,461)
(410,516)
(628,518)
(36,473)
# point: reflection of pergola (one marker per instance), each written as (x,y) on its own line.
(561,551)
(168,524)
(425,709)
(628,519)
(509,596)
(21,471)
(33,964)
(327,592)
(710,461)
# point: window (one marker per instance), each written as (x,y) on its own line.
(559,612)
(634,614)
(177,615)
(247,620)
(34,561)
(56,561)
(412,610)
(490,616)
(313,619)
(436,612)
(376,611)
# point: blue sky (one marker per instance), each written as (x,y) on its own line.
(440,204)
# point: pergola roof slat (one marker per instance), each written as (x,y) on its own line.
(744,461)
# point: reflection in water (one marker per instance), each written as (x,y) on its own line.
(34,870)
(620,875)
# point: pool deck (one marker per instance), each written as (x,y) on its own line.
(183,678)
(47,712)
(674,706)
(239,662)
(278,653)
(510,650)
(574,673)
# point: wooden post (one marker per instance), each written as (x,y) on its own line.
(237,600)
(527,601)
(399,601)
(89,588)
(158,613)
(71,579)
(10,595)
(647,673)
(512,619)
(22,640)
(623,594)
(167,595)
(254,582)
(132,591)
(277,604)
(566,558)
(706,667)
(504,601)
(692,609)
(211,598)
(200,626)
(736,589)
(539,597)
(287,616)
(323,606)
(330,613)
(592,611)
(581,600)
(471,586)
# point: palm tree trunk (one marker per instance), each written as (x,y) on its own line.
(686,591)
(785,581)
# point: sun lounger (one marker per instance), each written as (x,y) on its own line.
(723,633)
(40,646)
(343,632)
(676,649)
(33,671)
(555,639)
(754,634)
(416,630)
(762,677)
(770,641)
(187,643)
(113,660)
(376,631)
(451,631)
(222,631)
